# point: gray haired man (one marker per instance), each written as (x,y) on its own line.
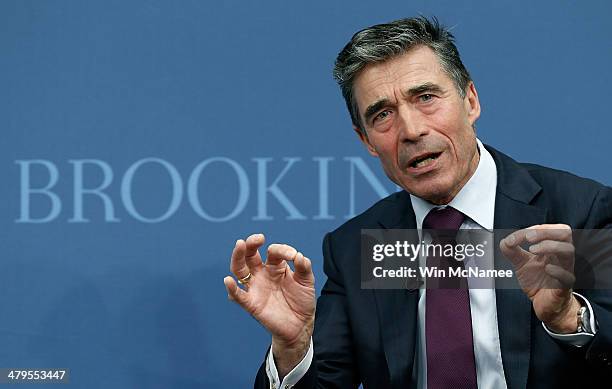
(414,106)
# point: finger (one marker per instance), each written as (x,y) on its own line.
(238,265)
(234,293)
(252,256)
(516,238)
(511,248)
(303,270)
(560,232)
(564,277)
(552,247)
(278,253)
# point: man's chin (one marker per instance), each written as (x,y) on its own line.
(436,194)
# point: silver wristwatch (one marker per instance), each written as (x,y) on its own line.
(584,320)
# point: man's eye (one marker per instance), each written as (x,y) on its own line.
(382,115)
(425,98)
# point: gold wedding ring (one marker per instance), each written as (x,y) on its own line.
(245,280)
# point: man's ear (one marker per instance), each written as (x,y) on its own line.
(363,137)
(472,103)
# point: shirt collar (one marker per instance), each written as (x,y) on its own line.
(476,199)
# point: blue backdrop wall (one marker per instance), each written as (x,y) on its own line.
(140,139)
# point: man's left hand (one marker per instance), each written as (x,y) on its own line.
(545,272)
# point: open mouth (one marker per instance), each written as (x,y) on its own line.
(423,160)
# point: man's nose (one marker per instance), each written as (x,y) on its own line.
(411,126)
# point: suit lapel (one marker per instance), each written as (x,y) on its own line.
(513,210)
(397,308)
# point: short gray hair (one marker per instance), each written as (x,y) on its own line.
(384,41)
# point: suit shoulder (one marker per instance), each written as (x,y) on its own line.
(563,181)
(571,199)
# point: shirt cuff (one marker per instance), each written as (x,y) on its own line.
(294,375)
(577,339)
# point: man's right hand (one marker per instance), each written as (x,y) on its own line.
(282,300)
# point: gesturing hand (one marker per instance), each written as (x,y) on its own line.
(546,272)
(281,299)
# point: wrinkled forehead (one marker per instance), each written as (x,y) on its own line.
(393,78)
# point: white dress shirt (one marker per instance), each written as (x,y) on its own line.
(476,200)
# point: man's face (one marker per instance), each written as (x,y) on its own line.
(416,122)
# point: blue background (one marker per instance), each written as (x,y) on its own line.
(133,304)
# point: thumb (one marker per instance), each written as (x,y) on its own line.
(234,293)
(510,246)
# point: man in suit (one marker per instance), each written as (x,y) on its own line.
(414,106)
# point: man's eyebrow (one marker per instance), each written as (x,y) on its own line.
(414,91)
(426,87)
(375,107)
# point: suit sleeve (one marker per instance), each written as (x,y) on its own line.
(599,351)
(333,364)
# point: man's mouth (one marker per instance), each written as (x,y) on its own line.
(423,160)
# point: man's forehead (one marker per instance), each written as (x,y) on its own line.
(417,67)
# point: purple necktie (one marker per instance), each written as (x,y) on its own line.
(448,322)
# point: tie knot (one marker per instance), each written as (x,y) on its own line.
(447,218)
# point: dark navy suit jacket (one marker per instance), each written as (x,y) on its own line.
(369,336)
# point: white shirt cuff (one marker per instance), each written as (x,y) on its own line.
(577,339)
(294,375)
